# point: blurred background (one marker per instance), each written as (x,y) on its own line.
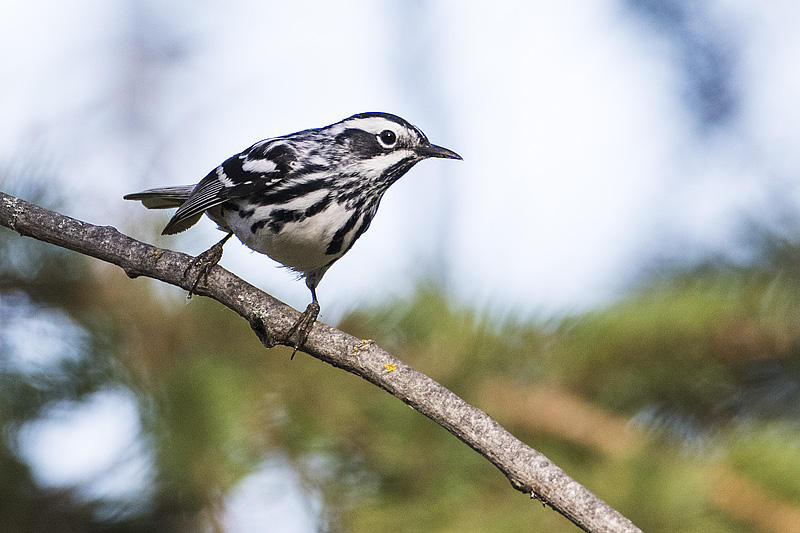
(613,271)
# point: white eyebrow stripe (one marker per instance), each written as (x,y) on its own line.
(373,124)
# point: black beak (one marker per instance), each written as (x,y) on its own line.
(432,150)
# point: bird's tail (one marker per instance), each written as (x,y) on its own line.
(166,198)
(163,197)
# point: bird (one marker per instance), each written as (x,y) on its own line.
(303,199)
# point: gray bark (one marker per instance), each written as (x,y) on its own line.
(528,470)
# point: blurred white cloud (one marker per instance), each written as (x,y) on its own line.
(580,153)
(94,445)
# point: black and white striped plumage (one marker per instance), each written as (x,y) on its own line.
(302,199)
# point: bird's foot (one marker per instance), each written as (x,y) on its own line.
(203,263)
(298,334)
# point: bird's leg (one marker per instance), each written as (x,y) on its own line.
(298,334)
(204,262)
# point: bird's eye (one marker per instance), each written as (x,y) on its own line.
(387,137)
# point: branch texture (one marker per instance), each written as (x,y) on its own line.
(528,470)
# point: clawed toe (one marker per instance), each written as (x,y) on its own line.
(204,262)
(298,333)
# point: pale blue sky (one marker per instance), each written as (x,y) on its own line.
(581,153)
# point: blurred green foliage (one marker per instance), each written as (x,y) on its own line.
(699,367)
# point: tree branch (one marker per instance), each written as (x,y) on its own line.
(528,470)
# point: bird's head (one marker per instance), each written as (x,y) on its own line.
(383,146)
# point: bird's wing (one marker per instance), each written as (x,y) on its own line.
(252,172)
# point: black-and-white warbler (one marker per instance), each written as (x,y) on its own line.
(302,199)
